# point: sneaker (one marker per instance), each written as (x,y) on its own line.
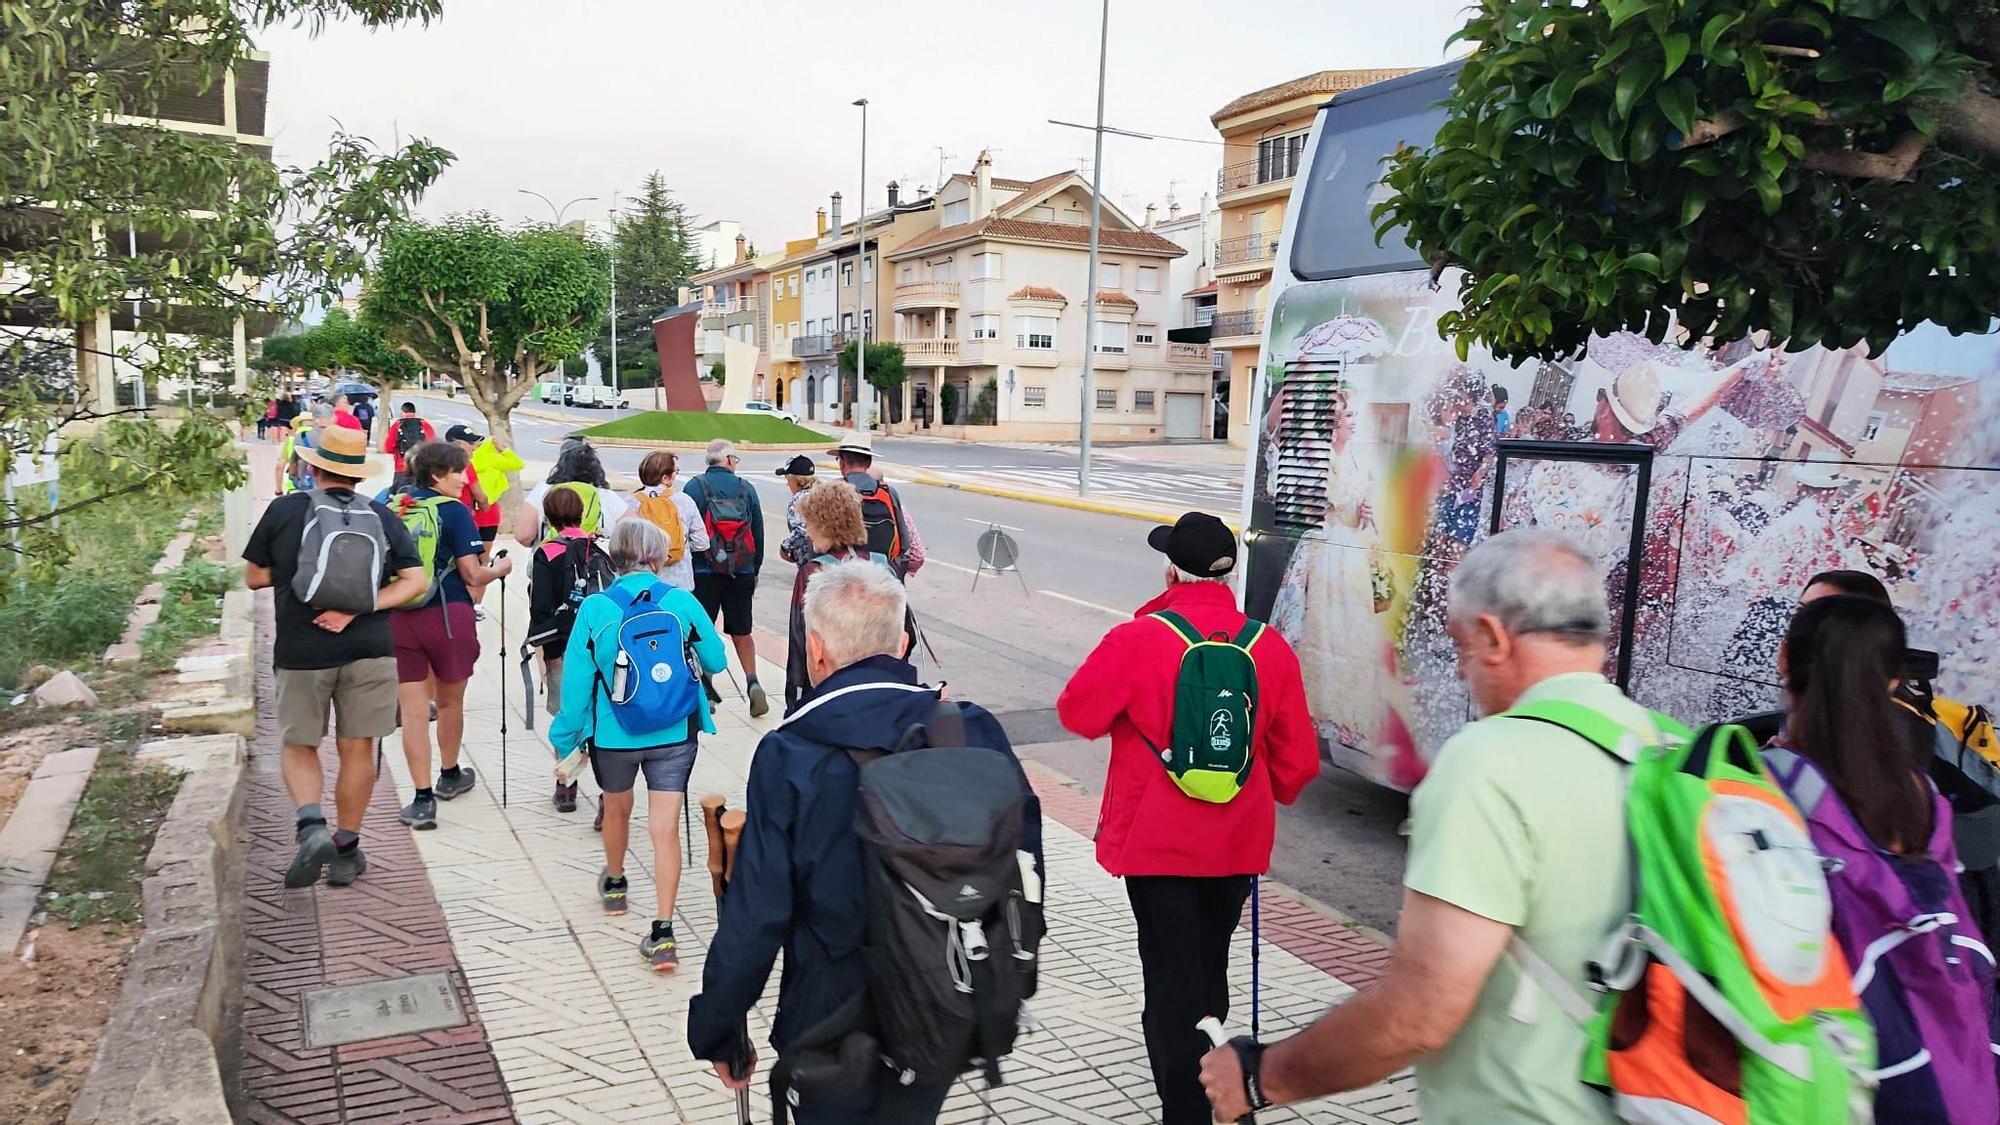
(479,613)
(760,704)
(346,867)
(660,951)
(434,710)
(420,814)
(565,797)
(448,786)
(611,892)
(315,850)
(597,825)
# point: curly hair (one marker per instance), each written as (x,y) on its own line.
(433,459)
(832,515)
(576,462)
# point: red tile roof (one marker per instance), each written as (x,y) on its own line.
(1114,297)
(1029,230)
(1010,185)
(1209,288)
(1030,190)
(1037,293)
(1327,82)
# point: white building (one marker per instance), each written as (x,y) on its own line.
(715,243)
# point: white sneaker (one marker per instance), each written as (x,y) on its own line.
(479,613)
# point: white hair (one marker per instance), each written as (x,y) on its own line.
(1533,580)
(856,608)
(1176,574)
(720,450)
(636,545)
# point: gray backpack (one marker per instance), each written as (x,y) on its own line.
(341,553)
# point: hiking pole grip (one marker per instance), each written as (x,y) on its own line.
(1217,1037)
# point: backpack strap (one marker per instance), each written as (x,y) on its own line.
(1252,629)
(1798,777)
(1597,728)
(1180,625)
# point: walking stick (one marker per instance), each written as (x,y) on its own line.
(502,648)
(1256,935)
(724,828)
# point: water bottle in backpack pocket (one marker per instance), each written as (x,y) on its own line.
(645,674)
(342,552)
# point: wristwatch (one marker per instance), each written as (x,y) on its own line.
(1250,1057)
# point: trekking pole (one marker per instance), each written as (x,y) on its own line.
(724,828)
(502,648)
(1217,1037)
(1256,936)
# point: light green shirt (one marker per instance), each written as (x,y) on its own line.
(1524,823)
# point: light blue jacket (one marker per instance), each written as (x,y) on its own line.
(586,712)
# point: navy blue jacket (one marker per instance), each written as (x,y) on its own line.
(798,883)
(721,481)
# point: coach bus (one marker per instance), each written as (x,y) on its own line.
(1711,480)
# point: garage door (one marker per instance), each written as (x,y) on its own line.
(1184,414)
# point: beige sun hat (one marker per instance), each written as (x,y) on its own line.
(1635,398)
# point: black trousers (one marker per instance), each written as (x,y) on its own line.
(889,1103)
(1184,930)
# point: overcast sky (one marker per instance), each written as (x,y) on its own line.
(744,104)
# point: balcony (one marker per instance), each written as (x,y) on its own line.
(913,295)
(847,336)
(808,347)
(728,306)
(1251,250)
(931,352)
(1111,359)
(1273,168)
(1238,322)
(1190,357)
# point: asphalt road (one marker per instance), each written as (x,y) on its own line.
(1011,643)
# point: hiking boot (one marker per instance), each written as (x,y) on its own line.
(660,951)
(420,814)
(611,892)
(565,797)
(346,867)
(315,850)
(760,704)
(448,786)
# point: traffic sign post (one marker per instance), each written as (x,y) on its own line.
(1000,554)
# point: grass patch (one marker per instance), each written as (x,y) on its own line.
(190,607)
(701,426)
(97,877)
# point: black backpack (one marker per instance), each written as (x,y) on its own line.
(583,569)
(409,433)
(952,927)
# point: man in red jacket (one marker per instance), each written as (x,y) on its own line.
(1187,863)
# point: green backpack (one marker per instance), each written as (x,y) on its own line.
(1208,750)
(425,523)
(1723,996)
(593,510)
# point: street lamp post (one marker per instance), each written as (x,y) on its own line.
(617,380)
(861,248)
(1089,403)
(558,211)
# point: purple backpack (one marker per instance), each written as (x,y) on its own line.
(1921,970)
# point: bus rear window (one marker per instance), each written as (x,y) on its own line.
(1334,236)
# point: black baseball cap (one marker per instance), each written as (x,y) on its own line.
(799,466)
(1198,543)
(463,432)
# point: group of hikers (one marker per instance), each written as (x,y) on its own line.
(1606,915)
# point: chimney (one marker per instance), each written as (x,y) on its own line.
(820,221)
(1149,215)
(894,191)
(982,185)
(742,248)
(836,214)
(1173,209)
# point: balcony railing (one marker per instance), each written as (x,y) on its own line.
(1190,357)
(925,295)
(805,347)
(1247,249)
(847,336)
(1204,315)
(1272,168)
(1239,322)
(930,351)
(728,306)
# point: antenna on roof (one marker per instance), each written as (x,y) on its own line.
(943,156)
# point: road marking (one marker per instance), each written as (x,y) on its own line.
(990,523)
(933,560)
(1085,604)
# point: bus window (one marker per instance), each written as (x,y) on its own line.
(1334,237)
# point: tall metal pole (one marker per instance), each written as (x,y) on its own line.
(861,245)
(617,379)
(1089,403)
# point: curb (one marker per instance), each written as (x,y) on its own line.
(696,446)
(1153,515)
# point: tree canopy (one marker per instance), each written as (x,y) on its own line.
(885,364)
(1829,173)
(654,256)
(493,308)
(339,342)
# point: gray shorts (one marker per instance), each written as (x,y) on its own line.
(362,695)
(666,767)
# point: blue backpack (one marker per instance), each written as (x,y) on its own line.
(652,684)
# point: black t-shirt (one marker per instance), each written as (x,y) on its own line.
(300,643)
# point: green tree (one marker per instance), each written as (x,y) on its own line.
(1827,172)
(79,168)
(886,372)
(654,258)
(495,309)
(717,372)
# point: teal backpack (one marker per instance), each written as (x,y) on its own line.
(1208,752)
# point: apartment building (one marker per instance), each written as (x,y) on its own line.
(994,299)
(788,324)
(1191,284)
(734,300)
(1264,136)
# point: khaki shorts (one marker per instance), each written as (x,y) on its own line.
(363,696)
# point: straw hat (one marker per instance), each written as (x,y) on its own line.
(1635,398)
(338,450)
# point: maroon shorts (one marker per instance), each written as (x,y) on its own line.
(435,641)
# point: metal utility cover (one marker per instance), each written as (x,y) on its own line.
(381,1009)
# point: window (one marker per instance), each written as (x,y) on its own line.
(867,269)
(985,265)
(868,320)
(1034,396)
(826,276)
(1149,279)
(1107,399)
(1043,214)
(943,271)
(1036,333)
(956,213)
(985,326)
(1278,157)
(1142,402)
(1146,335)
(809,281)
(1873,429)
(1335,236)
(1112,336)
(793,328)
(826,326)
(1108,275)
(906,274)
(847,275)
(847,322)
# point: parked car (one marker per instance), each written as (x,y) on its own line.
(591,394)
(758,406)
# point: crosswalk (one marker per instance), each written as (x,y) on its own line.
(1165,486)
